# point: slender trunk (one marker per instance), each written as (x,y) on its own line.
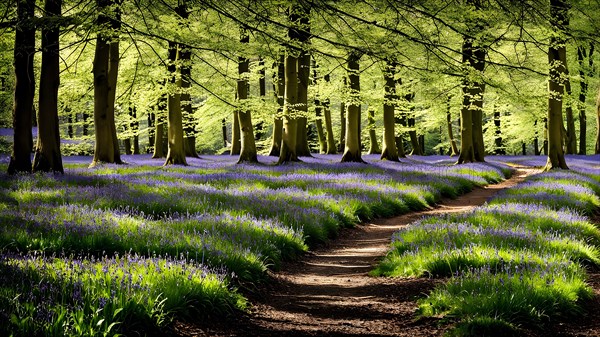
(374,146)
(262,92)
(135,127)
(160,114)
(328,124)
(453,148)
(557,60)
(106,68)
(570,138)
(499,146)
(320,131)
(545,144)
(536,142)
(302,148)
(279,90)
(151,131)
(20,158)
(352,150)
(127,145)
(597,147)
(289,129)
(224,131)
(236,144)
(47,156)
(248,145)
(70,122)
(343,122)
(175,151)
(189,120)
(412,133)
(584,74)
(389,151)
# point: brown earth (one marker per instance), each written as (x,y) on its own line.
(329,292)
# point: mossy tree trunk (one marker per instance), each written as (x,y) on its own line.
(105,70)
(302,148)
(389,151)
(159,126)
(20,158)
(331,148)
(47,156)
(557,60)
(352,150)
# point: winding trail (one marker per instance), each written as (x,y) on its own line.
(329,292)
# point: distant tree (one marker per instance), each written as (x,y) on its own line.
(279,90)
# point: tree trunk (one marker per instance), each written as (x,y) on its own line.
(597,147)
(20,158)
(70,122)
(175,152)
(302,148)
(189,143)
(412,133)
(472,147)
(389,151)
(224,131)
(47,156)
(279,90)
(584,74)
(352,150)
(262,92)
(570,138)
(106,69)
(342,124)
(127,145)
(289,129)
(151,130)
(320,131)
(557,60)
(545,144)
(374,146)
(248,145)
(536,142)
(499,146)
(135,127)
(236,144)
(453,148)
(160,114)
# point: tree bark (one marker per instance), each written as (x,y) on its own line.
(320,130)
(352,150)
(453,148)
(47,156)
(472,147)
(279,90)
(597,147)
(160,115)
(20,158)
(135,127)
(106,68)
(584,74)
(557,60)
(302,148)
(570,138)
(176,151)
(499,146)
(342,123)
(331,149)
(289,130)
(412,133)
(374,146)
(389,151)
(248,145)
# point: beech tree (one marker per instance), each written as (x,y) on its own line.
(47,151)
(106,69)
(176,151)
(557,60)
(248,145)
(352,151)
(20,158)
(279,91)
(389,151)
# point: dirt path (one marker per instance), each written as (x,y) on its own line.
(330,293)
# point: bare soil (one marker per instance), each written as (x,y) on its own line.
(329,292)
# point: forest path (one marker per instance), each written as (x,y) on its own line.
(329,292)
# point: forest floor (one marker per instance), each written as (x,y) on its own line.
(329,291)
